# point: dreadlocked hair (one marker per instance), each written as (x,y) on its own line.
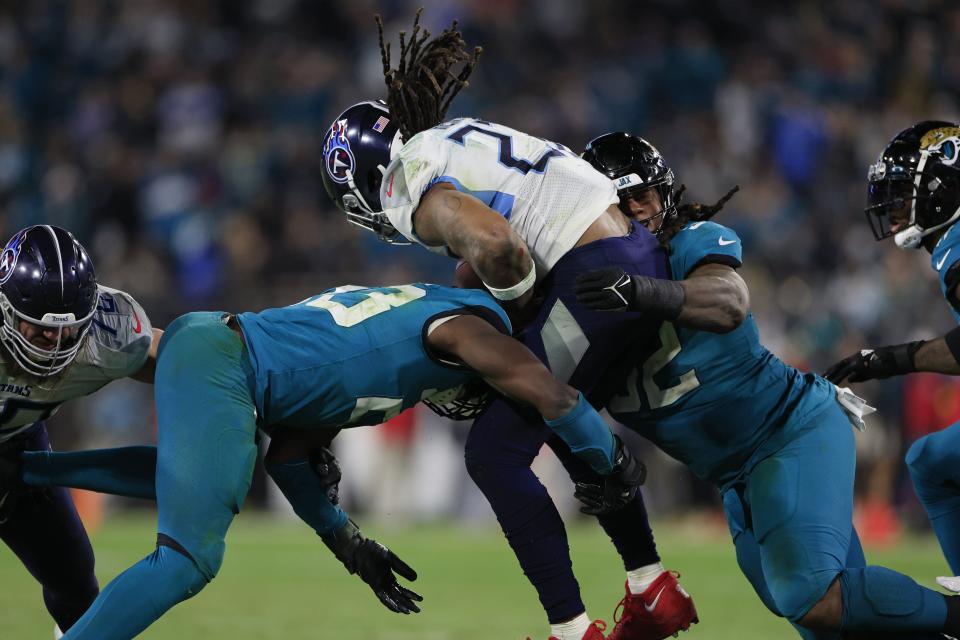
(423,85)
(690,212)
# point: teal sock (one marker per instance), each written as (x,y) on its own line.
(302,488)
(879,599)
(138,597)
(587,435)
(127,471)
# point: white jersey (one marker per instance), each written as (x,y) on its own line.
(116,346)
(547,193)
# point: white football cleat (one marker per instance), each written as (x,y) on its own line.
(950,583)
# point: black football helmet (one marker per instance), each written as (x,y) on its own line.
(634,165)
(358,147)
(919,169)
(46,279)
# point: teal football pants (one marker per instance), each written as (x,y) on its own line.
(791,521)
(934,463)
(205,456)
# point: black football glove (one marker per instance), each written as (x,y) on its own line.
(618,488)
(376,565)
(325,465)
(609,289)
(875,364)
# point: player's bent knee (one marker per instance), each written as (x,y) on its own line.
(206,561)
(927,457)
(826,612)
(808,600)
(475,469)
(183,576)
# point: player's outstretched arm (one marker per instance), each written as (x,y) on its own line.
(479,235)
(511,368)
(308,475)
(712,298)
(941,355)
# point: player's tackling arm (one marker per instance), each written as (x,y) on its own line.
(712,298)
(716,299)
(510,367)
(308,475)
(479,235)
(505,364)
(937,356)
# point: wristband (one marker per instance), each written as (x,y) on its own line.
(664,298)
(953,342)
(911,353)
(517,290)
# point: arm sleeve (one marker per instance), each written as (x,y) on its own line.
(302,488)
(702,243)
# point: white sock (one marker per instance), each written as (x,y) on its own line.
(639,579)
(573,629)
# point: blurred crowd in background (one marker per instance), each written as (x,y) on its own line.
(179,140)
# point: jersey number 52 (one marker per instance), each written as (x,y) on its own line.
(657,397)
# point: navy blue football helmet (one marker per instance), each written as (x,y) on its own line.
(46,280)
(917,169)
(358,147)
(634,165)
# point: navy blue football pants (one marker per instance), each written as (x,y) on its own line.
(45,532)
(592,351)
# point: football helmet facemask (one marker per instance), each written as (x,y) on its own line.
(915,183)
(47,280)
(634,165)
(357,148)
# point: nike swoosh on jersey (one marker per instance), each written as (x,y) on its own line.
(653,605)
(390,187)
(137,328)
(724,242)
(943,259)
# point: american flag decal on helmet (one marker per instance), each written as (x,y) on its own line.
(381,124)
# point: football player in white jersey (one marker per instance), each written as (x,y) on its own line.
(527,215)
(63,336)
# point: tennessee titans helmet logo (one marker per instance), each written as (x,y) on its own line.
(8,259)
(337,154)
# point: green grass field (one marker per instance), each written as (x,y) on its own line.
(280,582)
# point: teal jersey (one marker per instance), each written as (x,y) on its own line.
(716,401)
(353,356)
(945,260)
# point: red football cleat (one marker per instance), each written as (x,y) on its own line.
(664,609)
(594,632)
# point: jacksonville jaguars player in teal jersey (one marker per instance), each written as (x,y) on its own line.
(348,357)
(914,196)
(775,441)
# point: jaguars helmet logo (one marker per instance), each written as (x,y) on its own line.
(337,155)
(944,141)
